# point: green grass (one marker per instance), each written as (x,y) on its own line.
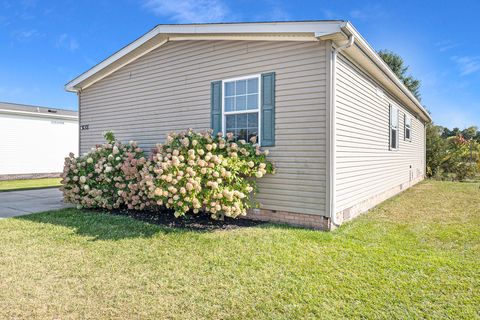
(415,256)
(28,184)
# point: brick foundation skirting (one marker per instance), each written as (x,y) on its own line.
(363,206)
(320,222)
(26,176)
(311,221)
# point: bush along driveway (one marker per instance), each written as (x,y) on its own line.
(415,256)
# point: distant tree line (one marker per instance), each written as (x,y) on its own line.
(470,133)
(451,154)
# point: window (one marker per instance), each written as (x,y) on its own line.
(408,128)
(393,128)
(241,106)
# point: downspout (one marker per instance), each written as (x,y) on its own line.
(333,133)
(79,95)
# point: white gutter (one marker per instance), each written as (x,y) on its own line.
(333,133)
(38,114)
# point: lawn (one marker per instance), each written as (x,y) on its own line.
(415,256)
(29,184)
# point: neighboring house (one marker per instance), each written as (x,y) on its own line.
(343,130)
(34,141)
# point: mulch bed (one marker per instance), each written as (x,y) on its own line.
(196,222)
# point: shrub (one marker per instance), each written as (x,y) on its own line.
(106,177)
(452,157)
(191,172)
(459,161)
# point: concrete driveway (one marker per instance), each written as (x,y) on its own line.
(17,203)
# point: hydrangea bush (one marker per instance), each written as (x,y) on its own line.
(106,177)
(198,172)
(190,172)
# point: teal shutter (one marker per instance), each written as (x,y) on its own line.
(268,110)
(216,106)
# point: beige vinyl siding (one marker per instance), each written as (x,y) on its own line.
(365,166)
(169,89)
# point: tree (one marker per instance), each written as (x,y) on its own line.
(435,149)
(396,63)
(470,132)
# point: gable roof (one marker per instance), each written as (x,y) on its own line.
(335,30)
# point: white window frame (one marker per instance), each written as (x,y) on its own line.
(407,117)
(258,110)
(393,109)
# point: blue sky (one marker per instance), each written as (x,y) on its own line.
(44,44)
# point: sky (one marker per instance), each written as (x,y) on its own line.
(45,44)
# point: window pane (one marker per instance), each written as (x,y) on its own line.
(241,87)
(230,122)
(252,85)
(407,134)
(240,103)
(252,102)
(229,88)
(253,120)
(229,104)
(394,117)
(393,139)
(242,134)
(241,121)
(252,133)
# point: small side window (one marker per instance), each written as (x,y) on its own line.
(408,128)
(393,128)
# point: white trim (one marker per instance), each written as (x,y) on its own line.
(293,31)
(332,128)
(38,114)
(258,110)
(317,28)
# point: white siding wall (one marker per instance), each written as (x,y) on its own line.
(35,144)
(365,165)
(169,89)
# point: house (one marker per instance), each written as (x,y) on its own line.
(343,130)
(35,140)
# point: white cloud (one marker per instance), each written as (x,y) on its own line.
(26,35)
(368,13)
(276,14)
(446,45)
(467,64)
(67,42)
(189,11)
(330,15)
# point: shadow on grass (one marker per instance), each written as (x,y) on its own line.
(107,226)
(98,226)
